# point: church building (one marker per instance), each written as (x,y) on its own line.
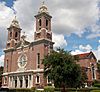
(23,66)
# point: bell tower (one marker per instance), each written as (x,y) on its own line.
(14,32)
(43,24)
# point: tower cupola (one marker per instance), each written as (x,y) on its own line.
(43,24)
(15,23)
(14,32)
(43,8)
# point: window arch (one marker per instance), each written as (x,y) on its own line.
(16,34)
(46,22)
(10,34)
(40,22)
(7,65)
(93,71)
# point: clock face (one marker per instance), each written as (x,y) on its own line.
(22,60)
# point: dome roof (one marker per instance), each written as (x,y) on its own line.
(15,23)
(43,8)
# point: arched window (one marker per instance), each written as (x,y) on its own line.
(10,34)
(7,65)
(93,71)
(37,79)
(38,60)
(16,34)
(46,22)
(40,22)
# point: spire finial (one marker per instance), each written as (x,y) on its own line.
(15,16)
(43,2)
(43,8)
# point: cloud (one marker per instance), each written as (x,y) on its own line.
(59,41)
(68,17)
(6,15)
(75,52)
(99,41)
(86,48)
(82,49)
(71,16)
(97,53)
(2,60)
(93,35)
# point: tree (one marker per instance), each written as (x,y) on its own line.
(83,77)
(61,67)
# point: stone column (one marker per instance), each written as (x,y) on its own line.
(18,82)
(23,86)
(13,83)
(28,82)
(9,82)
(31,80)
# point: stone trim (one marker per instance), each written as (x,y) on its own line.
(43,14)
(36,42)
(27,71)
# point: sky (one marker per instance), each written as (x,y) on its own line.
(75,23)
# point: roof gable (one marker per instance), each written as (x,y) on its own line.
(88,55)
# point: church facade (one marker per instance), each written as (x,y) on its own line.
(23,66)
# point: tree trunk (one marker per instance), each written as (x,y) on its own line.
(63,88)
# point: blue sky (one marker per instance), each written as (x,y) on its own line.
(75,24)
(9,3)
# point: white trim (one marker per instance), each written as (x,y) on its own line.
(21,61)
(26,71)
(36,79)
(23,46)
(48,81)
(42,39)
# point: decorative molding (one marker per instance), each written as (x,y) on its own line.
(26,71)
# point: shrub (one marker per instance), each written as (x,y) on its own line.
(33,89)
(95,91)
(20,90)
(97,85)
(39,91)
(48,89)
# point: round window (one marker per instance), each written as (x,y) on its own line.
(22,61)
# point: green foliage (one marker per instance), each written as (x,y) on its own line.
(96,84)
(33,89)
(39,91)
(51,89)
(48,89)
(73,90)
(95,91)
(83,77)
(61,67)
(20,90)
